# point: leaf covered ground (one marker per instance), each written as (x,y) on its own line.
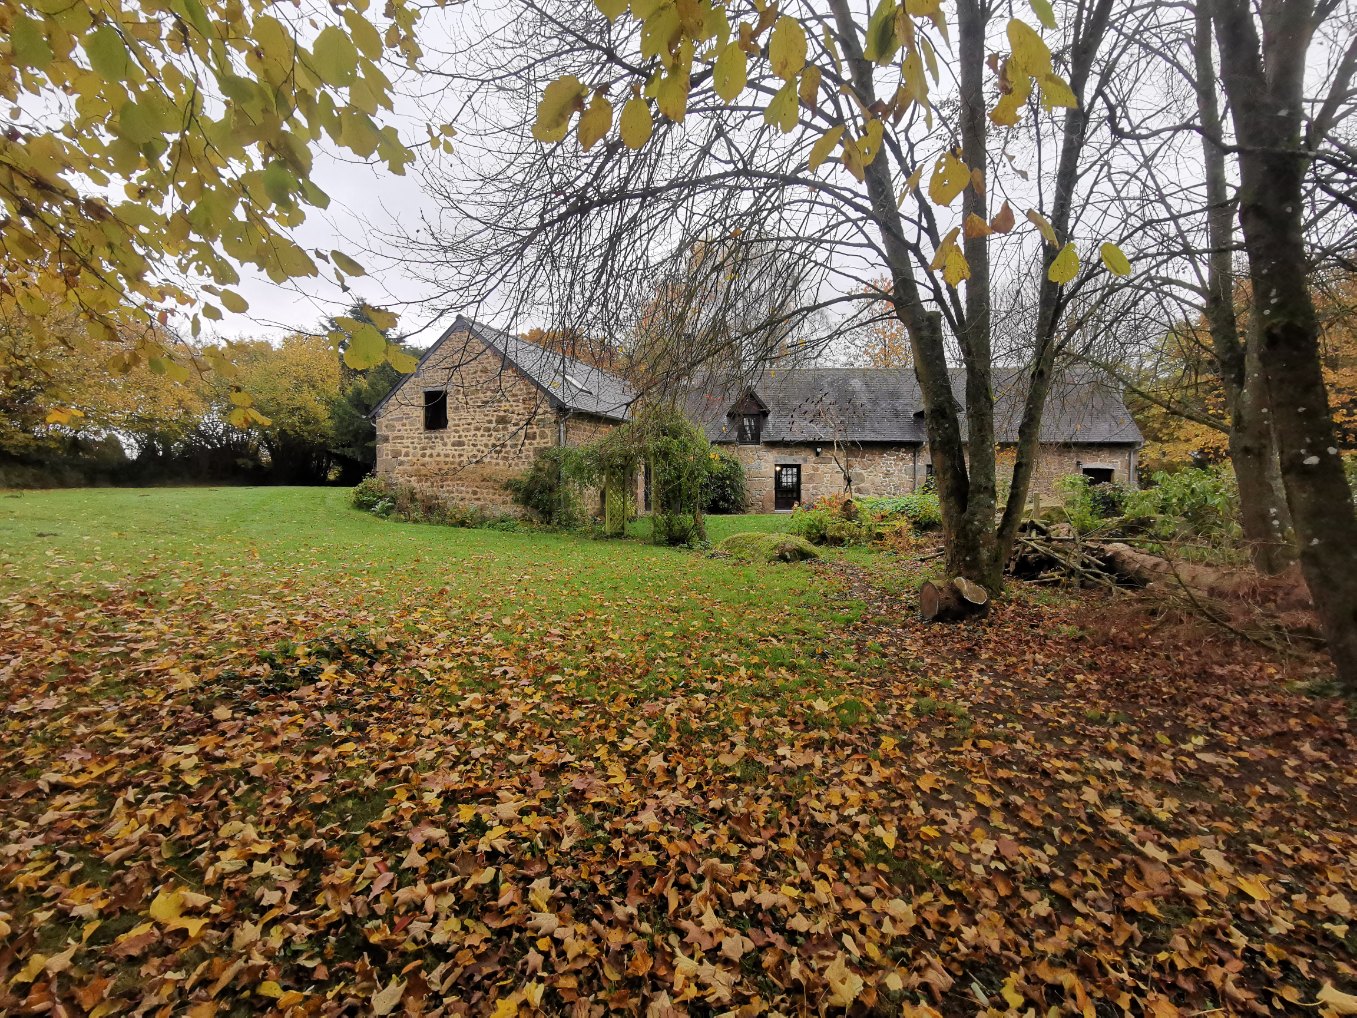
(261,752)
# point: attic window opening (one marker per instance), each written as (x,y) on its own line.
(435,409)
(577,383)
(750,430)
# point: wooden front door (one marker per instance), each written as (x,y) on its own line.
(786,486)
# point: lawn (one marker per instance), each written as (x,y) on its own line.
(261,751)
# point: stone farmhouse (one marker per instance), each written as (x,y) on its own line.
(482,403)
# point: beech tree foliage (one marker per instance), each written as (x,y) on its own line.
(149,148)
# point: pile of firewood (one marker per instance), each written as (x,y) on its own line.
(1275,611)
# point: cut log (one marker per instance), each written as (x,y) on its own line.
(1285,592)
(951,602)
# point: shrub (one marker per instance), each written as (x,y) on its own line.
(1201,502)
(840,520)
(678,454)
(830,519)
(723,487)
(921,508)
(550,488)
(370,492)
(413,505)
(764,547)
(1089,506)
(1187,503)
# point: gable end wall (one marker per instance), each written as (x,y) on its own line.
(497,421)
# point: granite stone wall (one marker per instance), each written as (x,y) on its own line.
(887,469)
(497,421)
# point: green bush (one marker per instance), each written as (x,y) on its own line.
(1090,506)
(840,520)
(830,519)
(370,492)
(765,547)
(1199,502)
(550,489)
(723,486)
(419,505)
(921,508)
(1187,503)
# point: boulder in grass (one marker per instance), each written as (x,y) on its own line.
(764,547)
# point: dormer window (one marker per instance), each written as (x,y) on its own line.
(749,429)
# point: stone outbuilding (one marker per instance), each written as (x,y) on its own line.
(479,407)
(482,403)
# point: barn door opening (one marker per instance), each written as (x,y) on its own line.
(786,487)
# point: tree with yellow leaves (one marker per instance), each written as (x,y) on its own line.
(150,147)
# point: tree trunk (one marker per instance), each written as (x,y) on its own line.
(1090,29)
(1262,502)
(969,549)
(1264,86)
(1263,511)
(977,521)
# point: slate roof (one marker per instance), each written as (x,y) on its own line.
(819,404)
(569,384)
(885,405)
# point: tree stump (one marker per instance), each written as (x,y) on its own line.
(951,602)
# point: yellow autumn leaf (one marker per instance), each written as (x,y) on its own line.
(1117,263)
(870,142)
(595,122)
(366,348)
(168,905)
(882,42)
(671,95)
(403,362)
(844,983)
(1065,266)
(269,988)
(1030,54)
(782,108)
(852,158)
(560,100)
(1254,888)
(1042,9)
(1056,92)
(824,145)
(975,226)
(1006,111)
(731,72)
(63,415)
(1043,226)
(950,177)
(36,963)
(1337,1001)
(234,302)
(955,268)
(809,89)
(787,48)
(346,264)
(635,123)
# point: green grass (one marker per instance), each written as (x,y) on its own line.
(721,527)
(671,612)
